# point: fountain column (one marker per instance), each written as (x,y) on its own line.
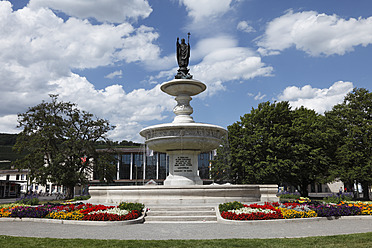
(183,139)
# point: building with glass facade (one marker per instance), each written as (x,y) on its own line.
(137,166)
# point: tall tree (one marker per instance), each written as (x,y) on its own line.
(309,149)
(352,119)
(59,139)
(221,165)
(274,144)
(259,144)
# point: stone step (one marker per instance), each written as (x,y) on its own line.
(182,208)
(181,218)
(180,214)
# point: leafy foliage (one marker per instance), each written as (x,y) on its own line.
(352,123)
(221,165)
(59,139)
(274,144)
(288,195)
(29,200)
(230,206)
(130,206)
(337,198)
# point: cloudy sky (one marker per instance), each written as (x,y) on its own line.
(111,56)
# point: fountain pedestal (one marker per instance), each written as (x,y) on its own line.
(183,139)
(183,168)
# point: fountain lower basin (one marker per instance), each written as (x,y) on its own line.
(183,136)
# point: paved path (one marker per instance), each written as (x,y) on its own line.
(11,200)
(165,231)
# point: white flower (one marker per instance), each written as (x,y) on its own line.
(116,211)
(247,210)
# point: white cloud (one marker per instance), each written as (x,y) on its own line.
(127,111)
(210,45)
(229,64)
(245,27)
(114,11)
(223,61)
(39,51)
(201,9)
(8,124)
(318,99)
(316,34)
(259,96)
(114,74)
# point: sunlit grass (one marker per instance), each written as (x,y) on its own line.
(351,240)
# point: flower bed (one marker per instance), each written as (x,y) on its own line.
(296,210)
(326,210)
(290,210)
(77,211)
(365,207)
(253,212)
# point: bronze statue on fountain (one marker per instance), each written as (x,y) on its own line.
(183,56)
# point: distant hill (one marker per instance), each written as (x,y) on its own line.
(7,139)
(7,155)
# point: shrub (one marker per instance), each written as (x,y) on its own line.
(289,195)
(230,206)
(130,206)
(29,200)
(337,198)
(81,198)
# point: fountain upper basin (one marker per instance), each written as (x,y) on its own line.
(183,136)
(190,87)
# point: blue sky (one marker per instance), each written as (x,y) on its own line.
(111,56)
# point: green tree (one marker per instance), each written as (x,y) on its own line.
(309,149)
(259,144)
(221,165)
(274,144)
(60,143)
(352,121)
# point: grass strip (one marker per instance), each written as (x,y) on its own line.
(351,240)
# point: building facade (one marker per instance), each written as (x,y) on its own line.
(138,166)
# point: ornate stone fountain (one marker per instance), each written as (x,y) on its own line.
(183,140)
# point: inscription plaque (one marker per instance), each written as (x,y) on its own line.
(182,164)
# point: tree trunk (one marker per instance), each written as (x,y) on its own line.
(365,188)
(303,190)
(70,192)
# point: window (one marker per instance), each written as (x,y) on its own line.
(320,188)
(312,188)
(151,167)
(162,166)
(203,165)
(124,166)
(23,177)
(17,177)
(7,177)
(137,172)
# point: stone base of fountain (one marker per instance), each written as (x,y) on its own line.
(183,195)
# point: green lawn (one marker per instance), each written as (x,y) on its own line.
(352,240)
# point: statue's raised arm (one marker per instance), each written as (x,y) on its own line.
(183,57)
